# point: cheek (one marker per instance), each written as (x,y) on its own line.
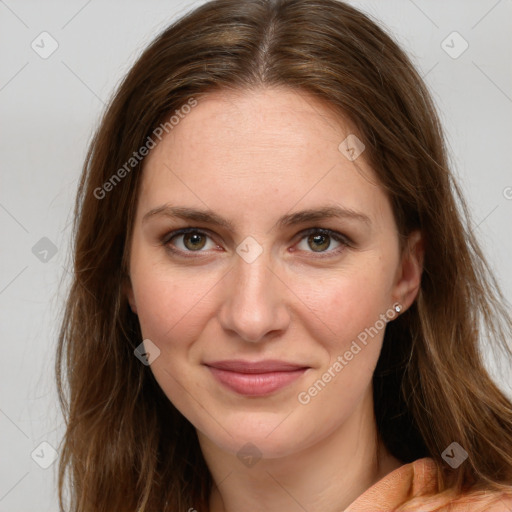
(170,305)
(353,312)
(172,312)
(351,301)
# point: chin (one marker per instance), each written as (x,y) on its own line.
(261,435)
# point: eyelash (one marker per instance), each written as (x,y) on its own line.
(338,237)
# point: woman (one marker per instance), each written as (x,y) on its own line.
(277,302)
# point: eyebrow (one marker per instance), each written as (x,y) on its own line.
(300,217)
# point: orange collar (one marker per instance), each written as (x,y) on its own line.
(421,478)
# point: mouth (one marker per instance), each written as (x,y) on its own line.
(257,378)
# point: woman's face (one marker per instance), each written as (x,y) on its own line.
(268,329)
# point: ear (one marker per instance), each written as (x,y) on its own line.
(408,281)
(128,292)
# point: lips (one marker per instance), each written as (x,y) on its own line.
(255,378)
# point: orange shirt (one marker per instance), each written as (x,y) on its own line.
(420,478)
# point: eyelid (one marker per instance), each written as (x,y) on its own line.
(183,231)
(340,237)
(165,240)
(336,235)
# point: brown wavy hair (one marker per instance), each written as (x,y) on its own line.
(126,447)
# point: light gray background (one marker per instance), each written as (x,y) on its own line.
(50,107)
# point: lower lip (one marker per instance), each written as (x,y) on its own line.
(256,384)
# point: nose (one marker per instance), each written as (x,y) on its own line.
(255,305)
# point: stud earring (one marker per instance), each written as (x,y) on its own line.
(398,308)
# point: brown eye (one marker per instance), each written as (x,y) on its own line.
(194,241)
(187,241)
(320,242)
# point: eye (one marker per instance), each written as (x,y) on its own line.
(321,239)
(194,240)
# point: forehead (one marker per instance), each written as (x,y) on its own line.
(269,148)
(262,123)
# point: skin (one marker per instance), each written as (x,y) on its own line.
(252,157)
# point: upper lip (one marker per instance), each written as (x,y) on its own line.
(266,366)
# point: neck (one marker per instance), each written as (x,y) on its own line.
(327,476)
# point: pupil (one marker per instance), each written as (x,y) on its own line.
(195,238)
(319,238)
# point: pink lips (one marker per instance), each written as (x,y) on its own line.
(255,378)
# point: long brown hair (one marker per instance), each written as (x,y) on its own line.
(126,447)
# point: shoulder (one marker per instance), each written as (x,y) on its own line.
(425,479)
(483,502)
(413,487)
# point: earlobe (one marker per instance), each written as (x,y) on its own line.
(411,269)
